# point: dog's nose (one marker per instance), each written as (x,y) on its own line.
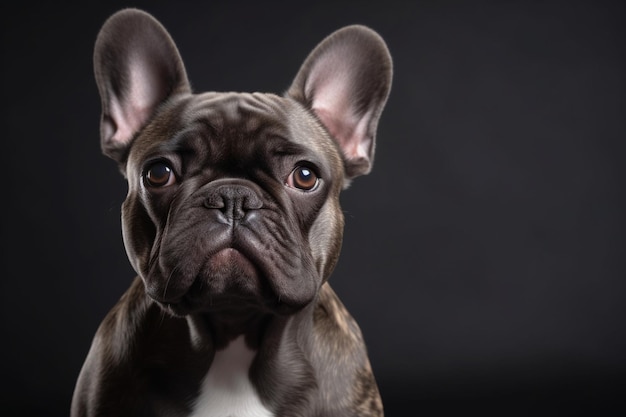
(233,201)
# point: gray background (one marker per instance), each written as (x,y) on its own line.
(484,255)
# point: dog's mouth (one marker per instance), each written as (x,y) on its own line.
(228,279)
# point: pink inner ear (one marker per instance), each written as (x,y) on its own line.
(349,131)
(332,84)
(130,113)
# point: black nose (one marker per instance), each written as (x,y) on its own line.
(233,201)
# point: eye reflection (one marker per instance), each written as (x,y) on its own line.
(303,178)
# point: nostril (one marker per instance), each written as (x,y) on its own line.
(252,202)
(215,201)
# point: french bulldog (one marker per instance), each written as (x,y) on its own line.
(233,224)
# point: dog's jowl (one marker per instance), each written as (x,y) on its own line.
(233,225)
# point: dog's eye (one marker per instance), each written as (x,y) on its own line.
(159,174)
(303,178)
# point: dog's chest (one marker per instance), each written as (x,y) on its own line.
(226,390)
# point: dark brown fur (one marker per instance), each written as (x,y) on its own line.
(230,246)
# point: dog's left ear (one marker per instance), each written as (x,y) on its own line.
(345,81)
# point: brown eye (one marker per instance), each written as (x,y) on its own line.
(303,178)
(159,174)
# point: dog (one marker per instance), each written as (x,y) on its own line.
(233,224)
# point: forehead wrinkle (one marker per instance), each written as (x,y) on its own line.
(229,131)
(238,117)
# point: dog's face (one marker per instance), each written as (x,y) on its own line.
(233,201)
(233,198)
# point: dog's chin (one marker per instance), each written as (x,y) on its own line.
(228,283)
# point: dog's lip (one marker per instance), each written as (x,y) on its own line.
(224,258)
(231,255)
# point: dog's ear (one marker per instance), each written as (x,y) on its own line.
(137,67)
(345,81)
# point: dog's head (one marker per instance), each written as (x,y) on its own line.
(233,198)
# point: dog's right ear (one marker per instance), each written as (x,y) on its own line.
(137,67)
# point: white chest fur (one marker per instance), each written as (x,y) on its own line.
(226,390)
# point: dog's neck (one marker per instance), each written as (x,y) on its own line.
(224,326)
(220,327)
